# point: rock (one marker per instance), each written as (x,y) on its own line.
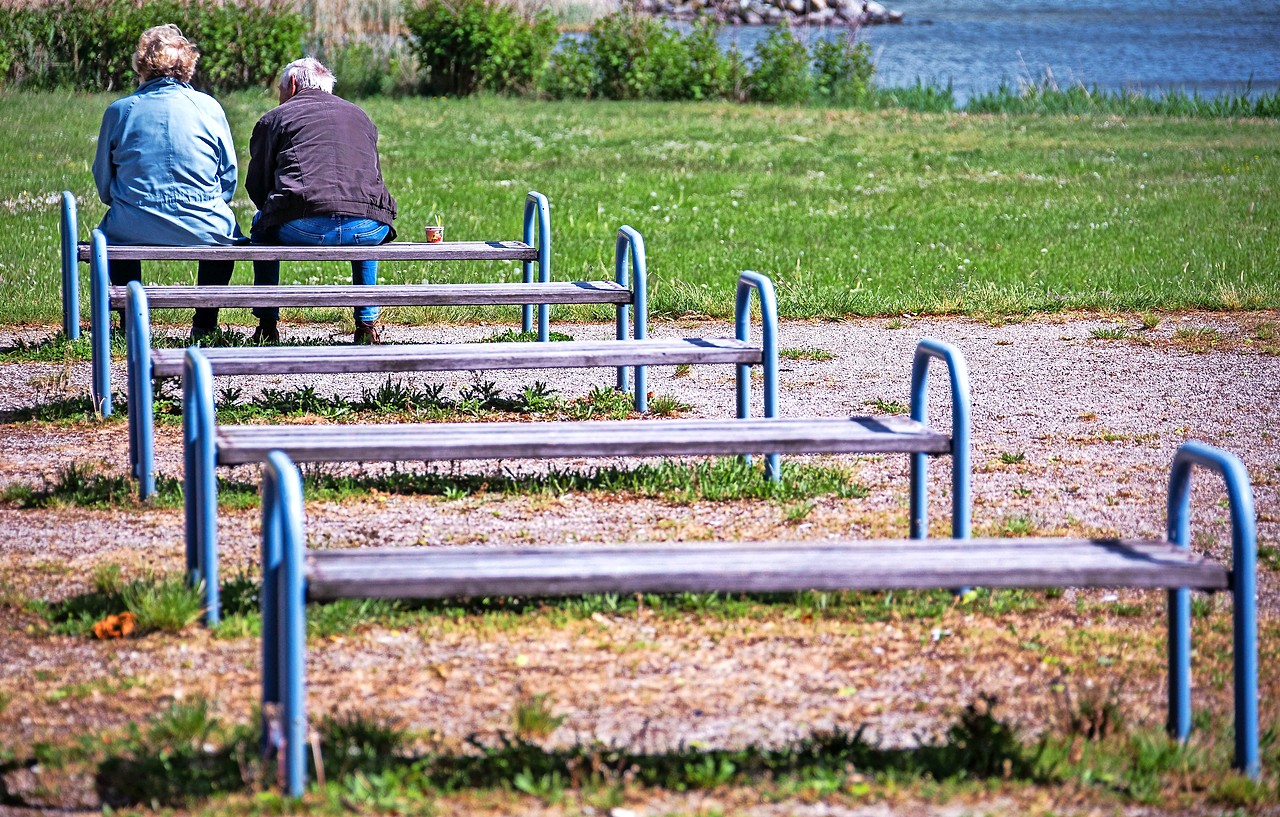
(795,6)
(752,19)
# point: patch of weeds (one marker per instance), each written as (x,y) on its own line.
(1148,321)
(806,354)
(1269,557)
(182,756)
(887,406)
(80,485)
(532,716)
(1109,332)
(79,409)
(894,323)
(1022,492)
(1267,330)
(54,349)
(798,511)
(346,615)
(396,396)
(1241,792)
(166,604)
(1199,339)
(1012,458)
(602,402)
(512,336)
(1018,526)
(664,405)
(356,742)
(537,398)
(683,370)
(1084,710)
(6,698)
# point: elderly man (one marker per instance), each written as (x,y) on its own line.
(315,177)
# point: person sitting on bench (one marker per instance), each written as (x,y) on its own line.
(315,177)
(166,165)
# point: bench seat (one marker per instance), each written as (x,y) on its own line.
(437,442)
(746,567)
(394,251)
(346,295)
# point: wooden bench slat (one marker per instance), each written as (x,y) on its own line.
(395,251)
(756,567)
(345,295)
(618,438)
(461,356)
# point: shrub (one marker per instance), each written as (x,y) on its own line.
(365,69)
(781,70)
(842,70)
(89,45)
(465,46)
(633,55)
(710,73)
(571,73)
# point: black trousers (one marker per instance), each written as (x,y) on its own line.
(208,273)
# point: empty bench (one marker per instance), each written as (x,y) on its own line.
(146,364)
(207,445)
(97,251)
(293,574)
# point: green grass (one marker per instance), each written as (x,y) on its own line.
(872,213)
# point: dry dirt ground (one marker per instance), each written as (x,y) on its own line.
(1072,433)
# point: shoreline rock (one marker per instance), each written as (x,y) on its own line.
(850,13)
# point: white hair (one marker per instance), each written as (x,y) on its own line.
(308,72)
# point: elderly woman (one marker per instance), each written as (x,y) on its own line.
(166,166)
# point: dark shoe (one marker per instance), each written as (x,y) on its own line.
(267,332)
(367,333)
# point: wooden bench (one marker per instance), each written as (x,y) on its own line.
(101,298)
(207,445)
(146,364)
(292,574)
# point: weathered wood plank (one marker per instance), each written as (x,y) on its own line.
(442,357)
(395,251)
(619,438)
(345,295)
(756,567)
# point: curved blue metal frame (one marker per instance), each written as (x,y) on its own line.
(138,383)
(961,421)
(199,482)
(284,623)
(748,281)
(635,277)
(100,323)
(537,210)
(70,267)
(1243,589)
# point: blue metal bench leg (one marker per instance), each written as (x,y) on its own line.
(536,210)
(750,280)
(1244,601)
(284,626)
(100,324)
(961,412)
(201,479)
(141,411)
(630,247)
(70,267)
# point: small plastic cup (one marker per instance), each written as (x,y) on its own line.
(435,234)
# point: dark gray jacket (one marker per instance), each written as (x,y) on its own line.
(313,155)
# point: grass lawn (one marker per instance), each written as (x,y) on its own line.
(852,213)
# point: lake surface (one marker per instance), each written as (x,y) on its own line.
(1208,47)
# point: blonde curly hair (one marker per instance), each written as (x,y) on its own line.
(164,52)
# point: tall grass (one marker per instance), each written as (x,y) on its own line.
(851,213)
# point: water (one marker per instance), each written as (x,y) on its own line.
(1208,47)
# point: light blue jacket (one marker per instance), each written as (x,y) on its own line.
(166,168)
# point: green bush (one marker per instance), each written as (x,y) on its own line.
(633,55)
(571,73)
(479,45)
(842,70)
(711,73)
(89,45)
(781,71)
(365,69)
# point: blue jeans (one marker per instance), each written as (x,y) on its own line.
(330,230)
